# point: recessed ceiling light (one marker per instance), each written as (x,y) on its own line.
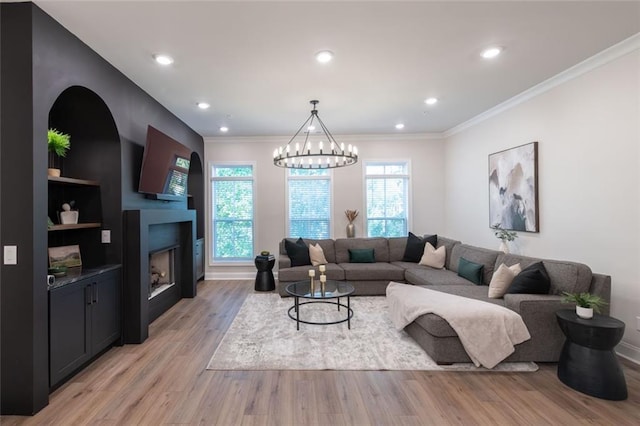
(431,101)
(324,56)
(224,129)
(203,105)
(491,52)
(163,59)
(399,126)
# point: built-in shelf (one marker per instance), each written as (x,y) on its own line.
(73,181)
(75,226)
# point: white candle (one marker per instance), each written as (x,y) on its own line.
(322,268)
(312,273)
(323,278)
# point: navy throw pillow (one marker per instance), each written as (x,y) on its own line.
(534,279)
(414,249)
(298,252)
(470,270)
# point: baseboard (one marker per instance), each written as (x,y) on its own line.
(230,276)
(628,351)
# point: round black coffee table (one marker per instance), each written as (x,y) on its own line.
(332,290)
(587,362)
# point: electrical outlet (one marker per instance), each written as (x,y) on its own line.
(10,255)
(106,236)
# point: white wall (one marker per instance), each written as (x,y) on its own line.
(588,131)
(425,152)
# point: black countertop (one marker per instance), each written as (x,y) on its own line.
(76,274)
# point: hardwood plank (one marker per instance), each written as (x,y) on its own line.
(165,381)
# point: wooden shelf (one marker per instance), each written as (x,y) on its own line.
(73,181)
(75,226)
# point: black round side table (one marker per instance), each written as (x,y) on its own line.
(264,277)
(587,362)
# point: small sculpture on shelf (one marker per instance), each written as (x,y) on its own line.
(69,216)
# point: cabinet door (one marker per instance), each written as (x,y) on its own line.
(106,316)
(69,329)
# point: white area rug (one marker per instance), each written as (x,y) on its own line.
(263,337)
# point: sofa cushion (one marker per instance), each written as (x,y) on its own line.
(396,248)
(298,252)
(372,271)
(362,256)
(448,245)
(533,279)
(437,326)
(474,254)
(424,275)
(470,270)
(301,273)
(327,245)
(343,245)
(566,276)
(415,246)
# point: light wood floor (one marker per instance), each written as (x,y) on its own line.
(164,381)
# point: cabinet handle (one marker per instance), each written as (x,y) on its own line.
(87,295)
(95,293)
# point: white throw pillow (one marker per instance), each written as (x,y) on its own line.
(433,257)
(316,254)
(501,280)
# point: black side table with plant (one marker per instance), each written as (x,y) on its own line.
(588,363)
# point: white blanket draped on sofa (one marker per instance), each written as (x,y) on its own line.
(488,332)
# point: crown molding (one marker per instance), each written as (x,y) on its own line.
(340,138)
(599,59)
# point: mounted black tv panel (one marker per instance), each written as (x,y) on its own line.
(165,167)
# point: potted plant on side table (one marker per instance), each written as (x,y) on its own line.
(58,144)
(586,303)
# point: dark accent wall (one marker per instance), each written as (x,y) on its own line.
(40,60)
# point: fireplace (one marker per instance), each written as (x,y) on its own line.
(161,271)
(159,266)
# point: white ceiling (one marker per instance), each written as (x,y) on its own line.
(254,61)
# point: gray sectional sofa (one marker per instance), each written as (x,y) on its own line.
(432,332)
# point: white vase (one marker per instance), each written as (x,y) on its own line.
(504,247)
(584,313)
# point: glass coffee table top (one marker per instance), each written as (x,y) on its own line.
(332,289)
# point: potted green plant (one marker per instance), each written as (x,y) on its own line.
(586,303)
(504,235)
(58,144)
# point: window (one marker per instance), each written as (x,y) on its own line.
(387,194)
(309,203)
(232,212)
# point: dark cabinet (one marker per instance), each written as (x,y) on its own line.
(84,319)
(199,258)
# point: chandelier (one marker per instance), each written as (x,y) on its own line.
(319,150)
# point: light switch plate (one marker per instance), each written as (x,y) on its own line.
(10,255)
(106,236)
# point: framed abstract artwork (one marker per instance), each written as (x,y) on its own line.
(513,188)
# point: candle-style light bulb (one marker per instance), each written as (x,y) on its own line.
(355,150)
(320,147)
(350,148)
(332,146)
(297,148)
(288,150)
(342,147)
(309,148)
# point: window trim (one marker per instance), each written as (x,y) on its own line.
(408,175)
(210,247)
(287,176)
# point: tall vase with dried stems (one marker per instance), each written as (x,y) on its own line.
(351,228)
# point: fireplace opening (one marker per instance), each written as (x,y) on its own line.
(161,271)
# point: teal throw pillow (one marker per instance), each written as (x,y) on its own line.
(362,256)
(470,270)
